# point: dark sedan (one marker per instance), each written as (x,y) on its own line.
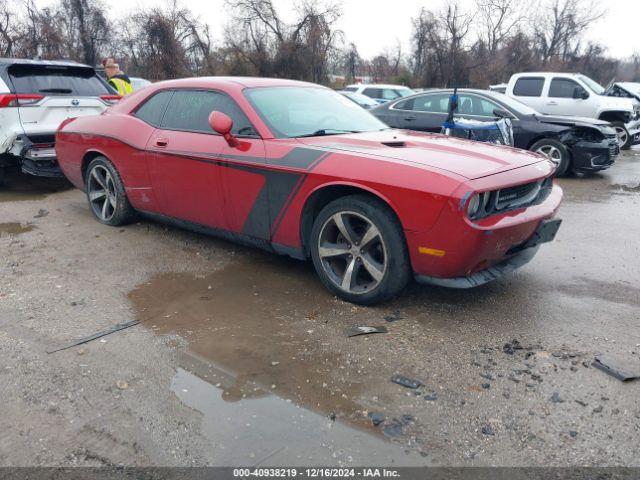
(576,144)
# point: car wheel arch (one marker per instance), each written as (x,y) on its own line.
(87,158)
(325,194)
(612,116)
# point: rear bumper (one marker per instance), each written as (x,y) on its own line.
(593,157)
(36,155)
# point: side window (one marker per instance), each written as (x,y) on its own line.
(350,89)
(562,88)
(404,105)
(372,92)
(152,110)
(189,110)
(389,94)
(432,103)
(474,105)
(528,87)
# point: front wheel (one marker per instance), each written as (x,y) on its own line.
(624,139)
(106,194)
(359,251)
(556,151)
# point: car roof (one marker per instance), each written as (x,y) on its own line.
(245,82)
(377,85)
(568,74)
(5,62)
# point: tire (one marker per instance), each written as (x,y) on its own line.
(112,208)
(556,151)
(380,269)
(624,139)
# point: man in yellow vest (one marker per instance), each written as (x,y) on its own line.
(116,78)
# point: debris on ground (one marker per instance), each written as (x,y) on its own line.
(598,409)
(511,347)
(393,316)
(488,430)
(355,331)
(116,328)
(406,382)
(617,367)
(376,417)
(41,213)
(122,385)
(486,386)
(555,398)
(392,429)
(432,397)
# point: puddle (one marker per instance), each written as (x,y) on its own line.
(16,187)
(11,229)
(261,379)
(267,430)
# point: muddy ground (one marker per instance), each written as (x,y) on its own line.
(241,357)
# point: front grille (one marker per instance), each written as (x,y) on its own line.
(511,198)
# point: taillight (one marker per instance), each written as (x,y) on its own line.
(19,100)
(110,99)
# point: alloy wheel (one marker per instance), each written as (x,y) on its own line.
(352,252)
(103,196)
(622,135)
(551,152)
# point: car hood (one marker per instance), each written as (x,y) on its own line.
(572,121)
(617,103)
(465,158)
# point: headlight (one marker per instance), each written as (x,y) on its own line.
(474,206)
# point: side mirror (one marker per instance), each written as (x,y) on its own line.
(501,113)
(223,124)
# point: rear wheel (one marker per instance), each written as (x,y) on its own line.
(624,139)
(359,251)
(106,193)
(556,151)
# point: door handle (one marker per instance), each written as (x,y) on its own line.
(161,142)
(552,104)
(409,119)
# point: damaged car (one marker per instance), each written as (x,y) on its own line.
(575,144)
(298,169)
(35,97)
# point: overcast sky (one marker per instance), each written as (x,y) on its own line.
(374,25)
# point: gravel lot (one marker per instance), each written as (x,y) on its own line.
(241,358)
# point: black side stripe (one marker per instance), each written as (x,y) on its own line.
(278,191)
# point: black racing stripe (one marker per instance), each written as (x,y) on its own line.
(278,191)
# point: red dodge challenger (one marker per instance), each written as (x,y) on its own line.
(298,169)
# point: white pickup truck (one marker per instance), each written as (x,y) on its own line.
(576,95)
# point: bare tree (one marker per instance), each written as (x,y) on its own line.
(557,29)
(86,28)
(497,20)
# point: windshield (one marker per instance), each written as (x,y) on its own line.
(310,111)
(592,84)
(514,104)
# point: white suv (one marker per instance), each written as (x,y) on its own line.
(379,92)
(574,94)
(35,97)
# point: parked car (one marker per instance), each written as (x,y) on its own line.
(575,94)
(362,100)
(379,92)
(35,97)
(575,144)
(137,83)
(298,169)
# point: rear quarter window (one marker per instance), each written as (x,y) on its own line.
(57,80)
(528,87)
(152,110)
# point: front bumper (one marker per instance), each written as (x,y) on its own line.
(456,248)
(520,255)
(594,156)
(634,130)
